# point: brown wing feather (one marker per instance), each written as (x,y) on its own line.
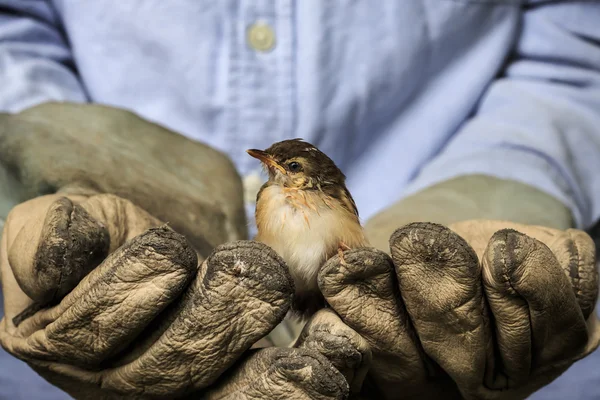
(348,201)
(343,196)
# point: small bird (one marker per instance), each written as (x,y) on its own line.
(306,214)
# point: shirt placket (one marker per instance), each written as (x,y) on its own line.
(261,83)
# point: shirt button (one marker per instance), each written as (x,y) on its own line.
(261,37)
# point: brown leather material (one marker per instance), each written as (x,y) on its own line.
(123,277)
(122,268)
(470,197)
(148,321)
(480,309)
(282,373)
(82,148)
(345,348)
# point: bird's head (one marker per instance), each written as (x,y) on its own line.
(297,164)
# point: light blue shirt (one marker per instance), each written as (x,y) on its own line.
(401,94)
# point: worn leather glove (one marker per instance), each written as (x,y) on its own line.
(106,301)
(474,308)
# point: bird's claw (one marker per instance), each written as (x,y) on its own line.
(341,255)
(342,246)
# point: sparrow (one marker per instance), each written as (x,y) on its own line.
(306,214)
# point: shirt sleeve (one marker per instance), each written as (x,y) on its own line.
(35,60)
(539,122)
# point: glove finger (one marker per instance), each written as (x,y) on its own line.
(364,292)
(576,253)
(439,279)
(112,305)
(580,263)
(241,292)
(573,248)
(282,373)
(538,321)
(54,241)
(51,243)
(344,348)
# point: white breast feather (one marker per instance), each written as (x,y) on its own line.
(302,236)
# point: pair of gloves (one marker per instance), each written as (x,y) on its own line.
(126,274)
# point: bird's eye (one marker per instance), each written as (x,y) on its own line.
(294,166)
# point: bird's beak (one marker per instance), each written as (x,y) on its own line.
(266,159)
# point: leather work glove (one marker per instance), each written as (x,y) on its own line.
(475,308)
(124,272)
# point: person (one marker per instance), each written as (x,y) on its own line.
(482,116)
